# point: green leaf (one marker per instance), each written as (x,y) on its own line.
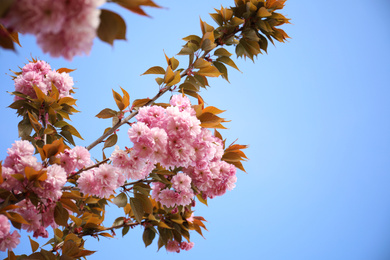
(138,210)
(120,200)
(148,236)
(111,27)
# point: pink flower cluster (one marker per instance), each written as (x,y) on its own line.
(20,156)
(7,240)
(173,138)
(174,246)
(62,27)
(76,158)
(102,181)
(39,74)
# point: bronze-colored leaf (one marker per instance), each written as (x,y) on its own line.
(148,236)
(61,215)
(137,208)
(34,244)
(140,102)
(120,200)
(60,70)
(112,27)
(154,70)
(107,113)
(135,5)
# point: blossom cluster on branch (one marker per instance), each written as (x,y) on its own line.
(174,159)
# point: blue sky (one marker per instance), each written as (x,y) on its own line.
(315,112)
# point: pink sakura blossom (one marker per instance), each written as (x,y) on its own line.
(63,27)
(156,188)
(62,81)
(182,102)
(181,153)
(181,123)
(51,187)
(173,246)
(20,155)
(181,182)
(39,74)
(67,161)
(173,138)
(36,16)
(4,226)
(9,182)
(101,182)
(120,159)
(10,241)
(153,116)
(160,140)
(87,183)
(186,246)
(78,157)
(24,84)
(40,66)
(185,198)
(39,217)
(168,197)
(81,156)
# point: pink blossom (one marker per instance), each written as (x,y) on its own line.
(185,197)
(24,83)
(87,182)
(153,116)
(51,187)
(63,27)
(4,226)
(182,102)
(10,241)
(106,179)
(31,214)
(21,148)
(186,246)
(139,132)
(36,16)
(173,246)
(67,161)
(119,158)
(9,182)
(181,182)
(101,182)
(168,197)
(62,81)
(81,156)
(40,66)
(156,188)
(20,155)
